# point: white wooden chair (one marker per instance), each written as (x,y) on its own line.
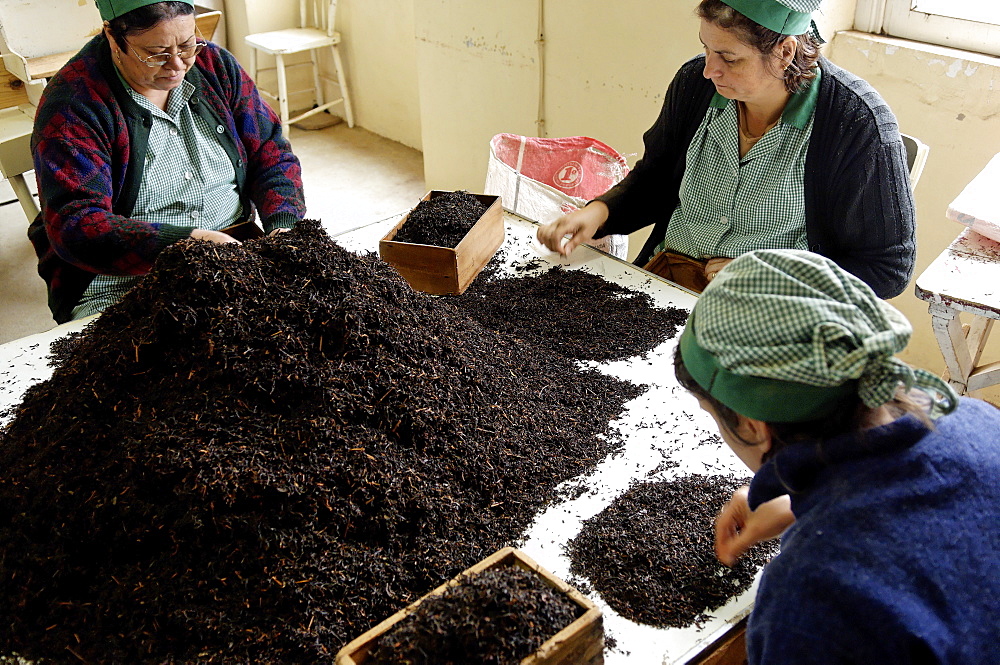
(316,31)
(15,153)
(39,37)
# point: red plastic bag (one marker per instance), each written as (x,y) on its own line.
(543,178)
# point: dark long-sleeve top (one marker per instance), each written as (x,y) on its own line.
(89,147)
(858,203)
(894,553)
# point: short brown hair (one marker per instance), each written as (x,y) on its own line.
(798,72)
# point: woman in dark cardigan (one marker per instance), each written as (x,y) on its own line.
(762,144)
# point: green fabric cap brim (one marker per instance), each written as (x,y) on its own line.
(112,9)
(760,398)
(773,15)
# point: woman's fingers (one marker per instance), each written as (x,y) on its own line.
(730,528)
(737,528)
(573,229)
(213,236)
(714,265)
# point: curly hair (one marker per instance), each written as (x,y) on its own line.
(764,40)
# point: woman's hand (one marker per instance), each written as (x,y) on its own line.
(212,236)
(713,266)
(571,230)
(737,528)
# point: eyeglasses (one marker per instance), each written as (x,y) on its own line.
(161,59)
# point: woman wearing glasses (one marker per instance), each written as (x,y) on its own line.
(149,135)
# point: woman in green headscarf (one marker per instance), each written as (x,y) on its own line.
(885,485)
(762,144)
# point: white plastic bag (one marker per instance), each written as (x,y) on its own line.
(542,178)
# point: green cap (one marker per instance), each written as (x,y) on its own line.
(787,335)
(786,17)
(112,9)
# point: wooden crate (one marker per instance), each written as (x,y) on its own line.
(580,643)
(447,270)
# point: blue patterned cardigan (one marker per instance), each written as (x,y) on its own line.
(89,146)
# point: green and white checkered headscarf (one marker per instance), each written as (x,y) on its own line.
(786,335)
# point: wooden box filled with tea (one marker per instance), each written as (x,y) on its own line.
(441,245)
(506,608)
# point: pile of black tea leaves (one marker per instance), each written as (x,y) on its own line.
(651,553)
(267,448)
(442,220)
(571,312)
(495,617)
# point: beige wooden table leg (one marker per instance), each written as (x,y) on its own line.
(978,333)
(24,197)
(981,376)
(985,376)
(954,346)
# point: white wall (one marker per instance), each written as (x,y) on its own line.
(477,64)
(378,49)
(380,56)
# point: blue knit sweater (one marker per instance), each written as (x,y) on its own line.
(895,553)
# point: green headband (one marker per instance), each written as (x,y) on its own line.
(758,397)
(787,335)
(773,15)
(112,9)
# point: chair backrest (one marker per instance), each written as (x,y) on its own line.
(916,157)
(34,32)
(35,29)
(207,22)
(320,14)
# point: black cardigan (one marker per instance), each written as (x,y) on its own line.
(858,202)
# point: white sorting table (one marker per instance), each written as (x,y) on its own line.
(646,443)
(965,277)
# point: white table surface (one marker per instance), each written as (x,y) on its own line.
(647,442)
(965,276)
(978,204)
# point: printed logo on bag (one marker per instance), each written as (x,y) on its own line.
(570,175)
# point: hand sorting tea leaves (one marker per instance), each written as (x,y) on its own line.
(669,576)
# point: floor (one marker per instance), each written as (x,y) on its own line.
(351,177)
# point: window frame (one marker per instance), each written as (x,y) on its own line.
(896,19)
